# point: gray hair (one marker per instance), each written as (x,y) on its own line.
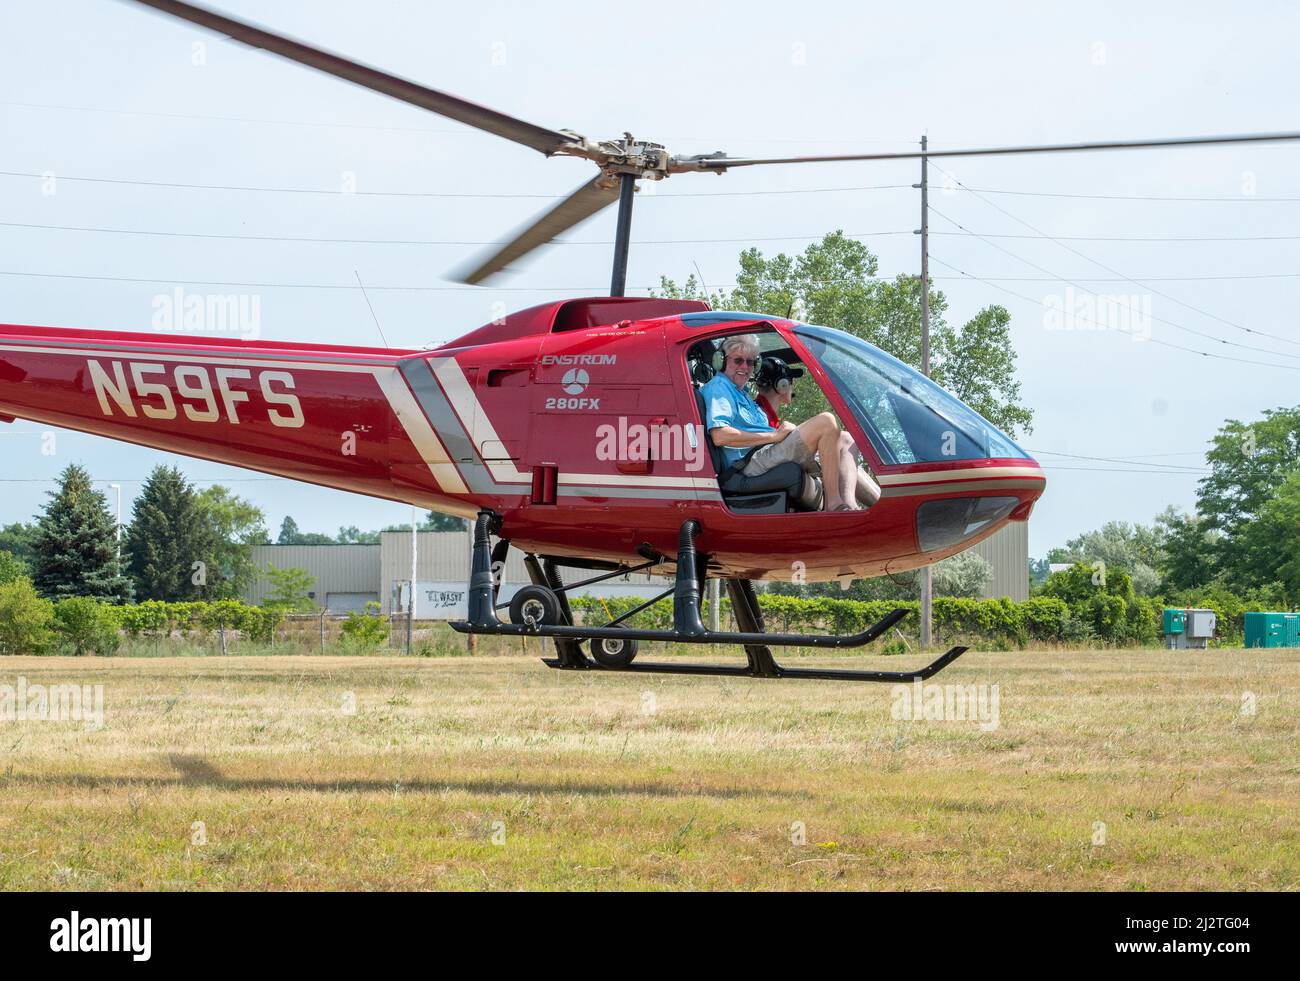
(749,341)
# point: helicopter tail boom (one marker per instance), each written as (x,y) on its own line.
(336,416)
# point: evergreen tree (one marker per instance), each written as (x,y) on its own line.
(288,532)
(76,544)
(437,521)
(170,547)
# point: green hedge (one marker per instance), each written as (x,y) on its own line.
(1039,619)
(154,618)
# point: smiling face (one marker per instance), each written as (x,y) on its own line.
(741,354)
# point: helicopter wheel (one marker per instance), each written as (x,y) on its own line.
(610,652)
(538,604)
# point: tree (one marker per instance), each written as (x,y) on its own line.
(1135,549)
(25,619)
(1039,570)
(290,535)
(352,535)
(76,543)
(289,589)
(833,283)
(19,540)
(288,532)
(170,545)
(1270,544)
(964,574)
(1189,546)
(1249,462)
(237,526)
(85,626)
(11,569)
(437,521)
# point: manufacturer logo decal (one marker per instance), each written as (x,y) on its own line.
(575,381)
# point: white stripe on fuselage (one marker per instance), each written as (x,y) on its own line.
(966,473)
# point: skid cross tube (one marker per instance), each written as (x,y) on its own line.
(687,626)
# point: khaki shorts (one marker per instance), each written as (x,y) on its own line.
(792,449)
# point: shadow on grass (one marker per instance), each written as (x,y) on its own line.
(195,772)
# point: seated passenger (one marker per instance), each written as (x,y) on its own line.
(775,384)
(752,446)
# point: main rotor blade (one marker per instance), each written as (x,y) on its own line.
(461,110)
(581,204)
(717,162)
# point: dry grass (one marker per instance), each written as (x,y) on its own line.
(592,792)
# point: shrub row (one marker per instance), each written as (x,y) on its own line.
(1039,619)
(30,624)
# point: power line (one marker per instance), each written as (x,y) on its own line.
(1177,467)
(388,241)
(1075,283)
(307,286)
(1152,340)
(1137,238)
(468,131)
(1125,279)
(588,290)
(1166,473)
(1102,265)
(603,242)
(336,192)
(1243,199)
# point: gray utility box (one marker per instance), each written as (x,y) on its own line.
(1200,626)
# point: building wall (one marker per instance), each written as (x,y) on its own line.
(337,569)
(443,558)
(1008,552)
(349,572)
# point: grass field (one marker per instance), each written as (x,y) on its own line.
(495,772)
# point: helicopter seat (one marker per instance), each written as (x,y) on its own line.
(768,493)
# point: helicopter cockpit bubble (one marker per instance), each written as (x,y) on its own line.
(906,416)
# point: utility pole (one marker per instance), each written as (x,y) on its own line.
(410,605)
(118,488)
(927,581)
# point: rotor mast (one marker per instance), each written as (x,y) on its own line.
(622,235)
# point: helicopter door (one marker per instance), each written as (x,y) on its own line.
(601,401)
(501,423)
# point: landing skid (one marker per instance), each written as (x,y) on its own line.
(557,621)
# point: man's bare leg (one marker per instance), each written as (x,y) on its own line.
(865,492)
(848,477)
(821,434)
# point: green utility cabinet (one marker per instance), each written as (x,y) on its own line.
(1173,622)
(1273,629)
(1189,629)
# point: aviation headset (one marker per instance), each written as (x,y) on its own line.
(775,373)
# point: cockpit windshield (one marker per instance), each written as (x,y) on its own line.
(907,417)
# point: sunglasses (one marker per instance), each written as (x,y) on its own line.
(749,361)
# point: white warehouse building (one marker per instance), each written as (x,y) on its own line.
(347,577)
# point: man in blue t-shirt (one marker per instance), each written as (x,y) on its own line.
(737,424)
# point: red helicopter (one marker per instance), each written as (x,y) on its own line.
(573,431)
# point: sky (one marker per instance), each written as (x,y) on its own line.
(108,90)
